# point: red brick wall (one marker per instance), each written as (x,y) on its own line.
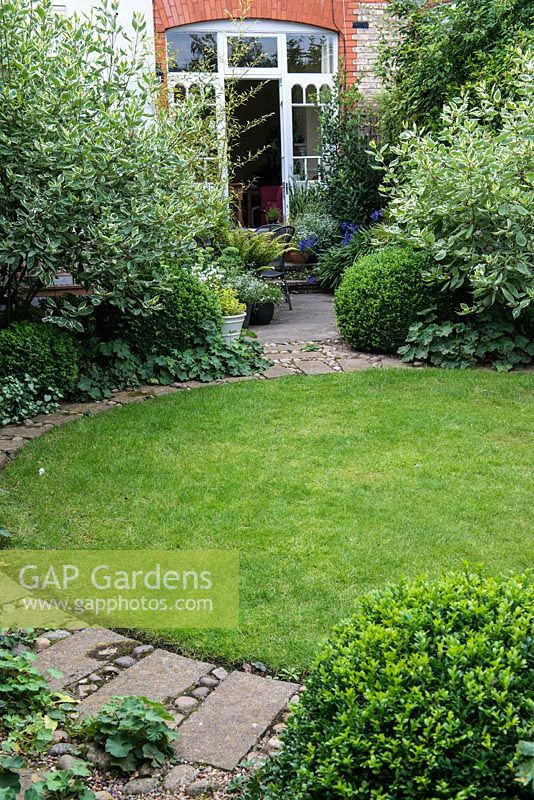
(335,15)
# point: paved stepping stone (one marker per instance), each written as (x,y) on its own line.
(232,719)
(160,676)
(312,367)
(76,656)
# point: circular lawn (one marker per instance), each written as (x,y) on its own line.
(329,486)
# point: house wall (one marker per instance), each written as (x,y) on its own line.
(355,21)
(126,10)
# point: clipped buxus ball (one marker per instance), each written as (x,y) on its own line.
(381,295)
(424,694)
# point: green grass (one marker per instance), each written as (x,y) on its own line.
(329,486)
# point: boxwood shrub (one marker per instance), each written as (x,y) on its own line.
(43,351)
(175,326)
(423,694)
(380,296)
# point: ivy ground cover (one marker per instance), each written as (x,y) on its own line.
(329,486)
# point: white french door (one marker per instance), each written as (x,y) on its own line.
(302,59)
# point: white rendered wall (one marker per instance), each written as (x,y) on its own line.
(126,10)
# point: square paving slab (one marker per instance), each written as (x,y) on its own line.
(160,676)
(232,719)
(77,655)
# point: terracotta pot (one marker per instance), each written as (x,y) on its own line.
(296,257)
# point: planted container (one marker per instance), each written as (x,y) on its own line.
(233,315)
(297,256)
(231,327)
(262,314)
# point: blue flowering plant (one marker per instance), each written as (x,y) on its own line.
(349,229)
(308,244)
(315,231)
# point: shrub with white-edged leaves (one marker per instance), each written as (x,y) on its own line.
(466,194)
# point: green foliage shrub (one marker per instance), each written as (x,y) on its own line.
(173,327)
(380,296)
(92,181)
(466,343)
(441,47)
(41,350)
(133,730)
(334,262)
(21,399)
(351,180)
(466,195)
(425,692)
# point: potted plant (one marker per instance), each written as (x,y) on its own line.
(233,314)
(263,309)
(273,215)
(259,296)
(247,287)
(314,232)
(302,253)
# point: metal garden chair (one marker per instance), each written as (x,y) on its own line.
(278,270)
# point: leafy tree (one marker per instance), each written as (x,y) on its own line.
(93,179)
(466,194)
(351,182)
(441,47)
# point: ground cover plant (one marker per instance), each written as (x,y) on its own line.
(115,365)
(425,691)
(133,730)
(353,481)
(30,712)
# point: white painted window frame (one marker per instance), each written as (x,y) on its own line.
(225,29)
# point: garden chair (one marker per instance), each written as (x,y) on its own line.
(270,227)
(277,270)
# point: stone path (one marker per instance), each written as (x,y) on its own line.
(312,317)
(231,720)
(226,721)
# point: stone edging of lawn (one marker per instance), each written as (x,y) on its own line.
(288,358)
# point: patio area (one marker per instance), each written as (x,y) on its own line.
(312,319)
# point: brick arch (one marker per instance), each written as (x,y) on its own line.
(321,13)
